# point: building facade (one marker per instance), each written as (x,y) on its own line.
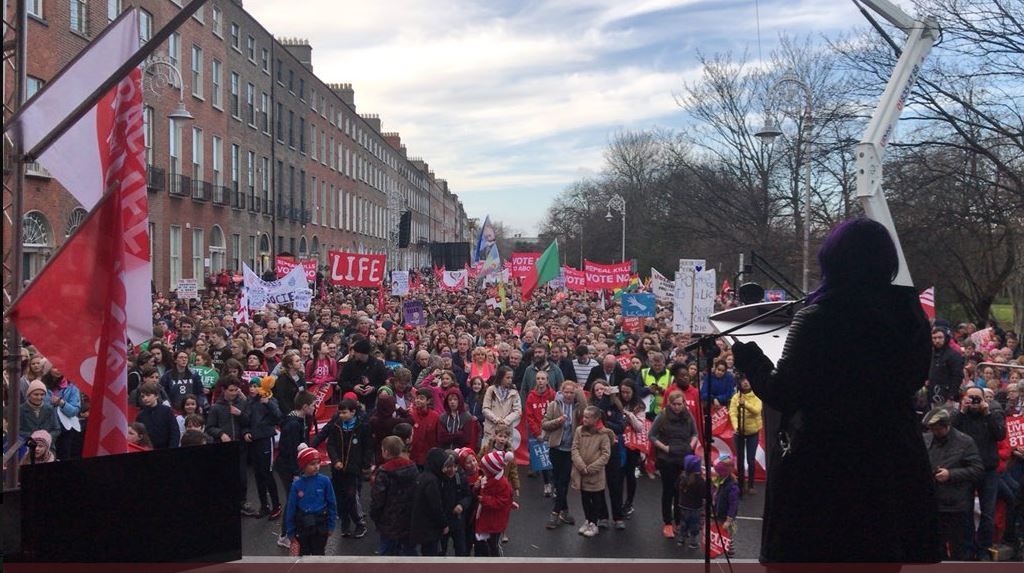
(276,160)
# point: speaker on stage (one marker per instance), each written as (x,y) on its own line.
(176,505)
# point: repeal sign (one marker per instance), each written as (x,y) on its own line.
(355,269)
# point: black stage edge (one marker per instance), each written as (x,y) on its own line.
(168,506)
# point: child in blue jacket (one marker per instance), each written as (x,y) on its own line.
(312,508)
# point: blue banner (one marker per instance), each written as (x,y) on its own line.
(638,304)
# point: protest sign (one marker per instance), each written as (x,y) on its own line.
(454,280)
(522,263)
(356,269)
(661,286)
(208,376)
(188,289)
(575,280)
(1015,431)
(693,301)
(638,304)
(292,290)
(607,277)
(414,314)
(399,283)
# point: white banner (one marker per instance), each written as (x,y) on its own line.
(693,301)
(454,280)
(399,283)
(661,286)
(291,289)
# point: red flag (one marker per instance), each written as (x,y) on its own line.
(89,275)
(726,287)
(928,302)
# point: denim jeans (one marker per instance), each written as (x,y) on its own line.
(987,488)
(561,470)
(746,458)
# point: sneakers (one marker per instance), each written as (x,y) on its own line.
(504,538)
(591,530)
(620,525)
(628,510)
(275,513)
(694,544)
(583,528)
(668,531)
(360,531)
(283,541)
(566,517)
(553,521)
(602,523)
(549,490)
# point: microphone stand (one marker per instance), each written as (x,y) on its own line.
(708,349)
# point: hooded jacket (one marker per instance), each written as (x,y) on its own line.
(946,372)
(263,418)
(428,515)
(385,417)
(676,431)
(424,434)
(350,446)
(391,499)
(458,430)
(536,407)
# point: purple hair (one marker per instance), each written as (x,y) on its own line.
(857,253)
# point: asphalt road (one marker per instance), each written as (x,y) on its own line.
(529,538)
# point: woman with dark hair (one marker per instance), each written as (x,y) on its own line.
(164,360)
(849,444)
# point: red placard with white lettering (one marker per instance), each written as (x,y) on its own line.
(1015,431)
(284,265)
(632,324)
(522,263)
(574,279)
(605,277)
(355,269)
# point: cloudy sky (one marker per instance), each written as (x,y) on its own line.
(513,101)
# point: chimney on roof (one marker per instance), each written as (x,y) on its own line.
(394,140)
(373,120)
(345,92)
(300,48)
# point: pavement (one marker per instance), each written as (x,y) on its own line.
(642,537)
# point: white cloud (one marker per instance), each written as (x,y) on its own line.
(503,99)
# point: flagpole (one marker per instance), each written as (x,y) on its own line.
(13,357)
(133,62)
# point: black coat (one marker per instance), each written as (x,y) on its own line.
(161,426)
(597,373)
(353,448)
(354,372)
(856,484)
(987,430)
(428,514)
(394,487)
(945,375)
(958,454)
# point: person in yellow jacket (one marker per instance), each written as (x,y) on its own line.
(654,381)
(745,414)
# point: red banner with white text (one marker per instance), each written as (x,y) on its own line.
(522,263)
(574,279)
(607,277)
(284,265)
(356,269)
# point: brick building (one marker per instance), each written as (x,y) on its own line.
(275,161)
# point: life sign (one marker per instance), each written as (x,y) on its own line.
(355,269)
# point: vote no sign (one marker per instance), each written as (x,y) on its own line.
(355,269)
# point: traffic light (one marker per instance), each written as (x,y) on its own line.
(404,229)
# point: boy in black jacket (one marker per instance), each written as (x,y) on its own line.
(394,484)
(456,498)
(349,446)
(429,519)
(294,431)
(264,415)
(157,417)
(228,421)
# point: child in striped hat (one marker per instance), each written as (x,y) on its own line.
(495,503)
(312,508)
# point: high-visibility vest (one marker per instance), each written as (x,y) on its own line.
(657,386)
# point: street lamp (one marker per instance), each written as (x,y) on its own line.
(768,133)
(617,203)
(179,113)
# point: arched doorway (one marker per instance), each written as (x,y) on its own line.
(302,248)
(37,244)
(217,250)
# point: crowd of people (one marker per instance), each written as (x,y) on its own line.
(428,418)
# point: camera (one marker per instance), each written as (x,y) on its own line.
(975,400)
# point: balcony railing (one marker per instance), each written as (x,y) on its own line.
(282,210)
(201,190)
(156,178)
(254,203)
(239,200)
(307,216)
(221,196)
(180,185)
(268,208)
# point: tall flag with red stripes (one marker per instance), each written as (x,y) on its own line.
(92,274)
(928,302)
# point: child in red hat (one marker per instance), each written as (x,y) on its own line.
(495,503)
(312,508)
